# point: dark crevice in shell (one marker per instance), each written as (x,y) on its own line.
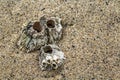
(50,24)
(47,49)
(37,26)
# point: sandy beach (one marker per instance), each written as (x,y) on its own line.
(91,39)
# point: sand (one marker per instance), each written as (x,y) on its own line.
(91,39)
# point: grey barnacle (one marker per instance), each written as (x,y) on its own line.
(54,29)
(33,36)
(37,34)
(51,57)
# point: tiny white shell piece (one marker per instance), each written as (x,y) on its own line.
(48,57)
(55,57)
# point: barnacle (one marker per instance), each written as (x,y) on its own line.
(54,28)
(33,36)
(51,57)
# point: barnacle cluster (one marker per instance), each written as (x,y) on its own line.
(43,35)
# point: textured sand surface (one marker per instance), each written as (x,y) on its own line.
(91,39)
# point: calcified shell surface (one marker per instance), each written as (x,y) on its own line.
(51,57)
(54,28)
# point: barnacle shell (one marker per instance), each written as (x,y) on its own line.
(51,57)
(33,36)
(37,34)
(54,29)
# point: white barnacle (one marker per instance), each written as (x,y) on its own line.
(53,56)
(44,64)
(54,65)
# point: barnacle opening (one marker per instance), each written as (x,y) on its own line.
(48,61)
(37,26)
(44,64)
(47,49)
(54,66)
(48,66)
(50,23)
